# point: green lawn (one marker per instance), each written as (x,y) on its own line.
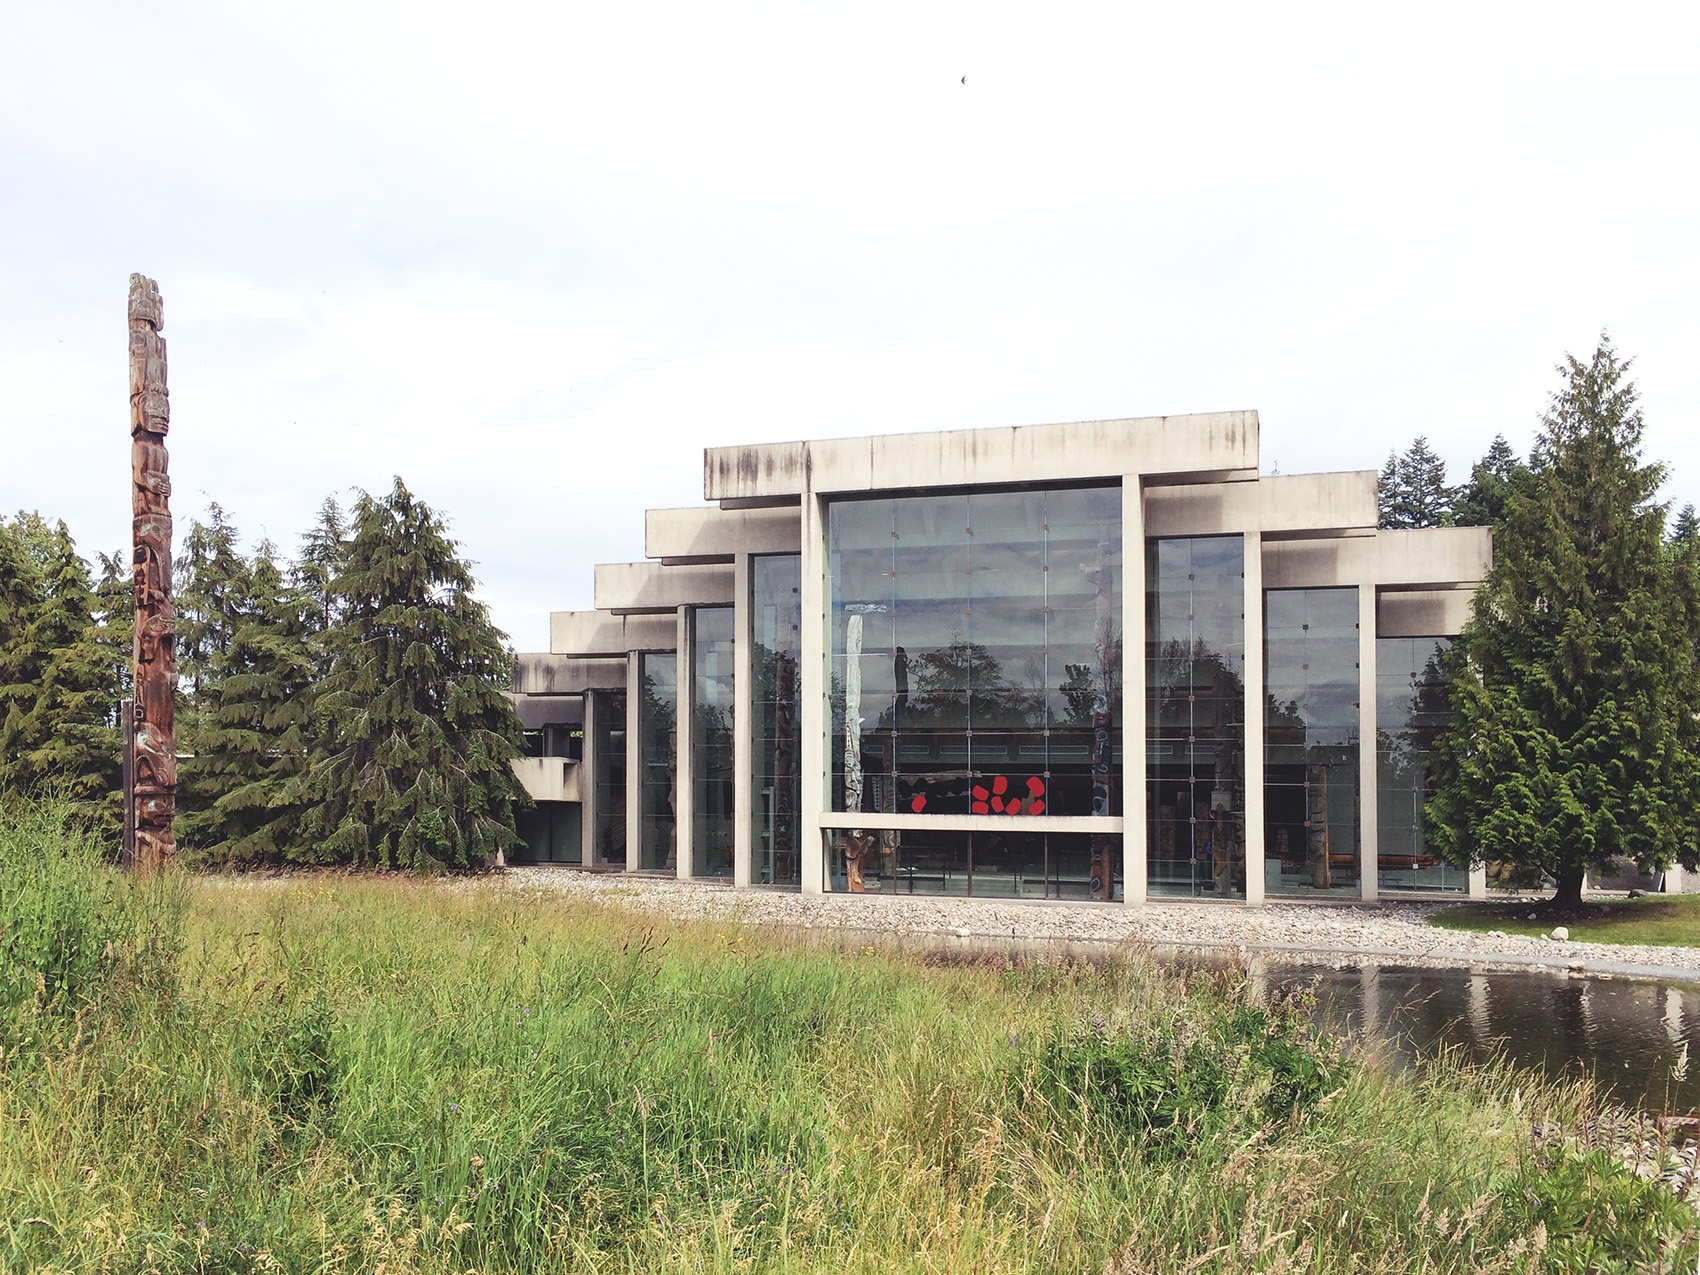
(1654,921)
(430,1078)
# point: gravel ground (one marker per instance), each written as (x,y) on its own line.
(1337,934)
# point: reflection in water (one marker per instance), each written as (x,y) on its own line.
(1634,1037)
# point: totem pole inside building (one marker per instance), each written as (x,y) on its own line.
(153,769)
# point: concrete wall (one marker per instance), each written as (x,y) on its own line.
(1422,612)
(711,534)
(1435,557)
(653,587)
(1205,445)
(606,634)
(537,711)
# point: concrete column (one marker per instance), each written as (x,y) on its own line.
(684,750)
(1369,856)
(743,724)
(634,760)
(1135,826)
(587,795)
(1478,881)
(812,711)
(1254,718)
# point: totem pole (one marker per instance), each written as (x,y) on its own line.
(153,789)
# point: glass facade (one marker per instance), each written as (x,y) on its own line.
(609,747)
(711,744)
(551,832)
(1195,716)
(776,611)
(658,747)
(975,644)
(1310,773)
(1410,711)
(1004,864)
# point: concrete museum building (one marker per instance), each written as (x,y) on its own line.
(1099,660)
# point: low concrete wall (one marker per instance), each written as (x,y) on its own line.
(549,778)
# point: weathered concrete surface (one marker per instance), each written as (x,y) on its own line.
(1423,612)
(712,534)
(545,674)
(538,711)
(1205,444)
(603,633)
(1283,504)
(549,778)
(1436,557)
(653,587)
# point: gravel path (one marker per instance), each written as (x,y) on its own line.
(1396,932)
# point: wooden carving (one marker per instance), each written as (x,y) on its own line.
(154,654)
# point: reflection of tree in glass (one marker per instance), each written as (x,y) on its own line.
(1080,686)
(940,680)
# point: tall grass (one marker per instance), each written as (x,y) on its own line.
(360,1075)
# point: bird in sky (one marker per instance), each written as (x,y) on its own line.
(965,79)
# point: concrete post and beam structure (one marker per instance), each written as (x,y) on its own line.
(917,794)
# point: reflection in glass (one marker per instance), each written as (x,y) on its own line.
(550,830)
(777,616)
(1195,716)
(610,778)
(1411,710)
(976,638)
(711,745)
(1310,796)
(1008,863)
(658,737)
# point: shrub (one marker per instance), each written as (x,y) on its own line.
(73,931)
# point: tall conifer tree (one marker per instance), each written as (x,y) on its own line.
(1573,736)
(416,733)
(1481,501)
(253,739)
(1412,490)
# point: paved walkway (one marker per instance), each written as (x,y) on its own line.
(1393,933)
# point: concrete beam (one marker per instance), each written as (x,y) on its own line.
(1213,443)
(541,674)
(653,588)
(1279,505)
(537,711)
(1422,612)
(550,778)
(607,634)
(711,534)
(1435,557)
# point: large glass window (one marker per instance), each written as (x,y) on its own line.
(711,745)
(1310,795)
(551,833)
(1013,863)
(609,748)
(1411,709)
(975,646)
(1195,716)
(777,616)
(658,727)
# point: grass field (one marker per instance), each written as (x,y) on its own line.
(396,1075)
(1655,921)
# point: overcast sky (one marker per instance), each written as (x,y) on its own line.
(534,259)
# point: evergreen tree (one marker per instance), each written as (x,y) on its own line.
(65,675)
(20,593)
(1481,501)
(1573,738)
(209,574)
(253,739)
(1687,529)
(323,551)
(1412,490)
(416,732)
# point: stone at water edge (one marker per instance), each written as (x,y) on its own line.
(1561,933)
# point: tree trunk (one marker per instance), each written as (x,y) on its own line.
(1568,897)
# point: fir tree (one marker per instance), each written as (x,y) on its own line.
(416,732)
(323,551)
(1687,528)
(1481,501)
(253,738)
(1573,738)
(66,671)
(209,573)
(1412,490)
